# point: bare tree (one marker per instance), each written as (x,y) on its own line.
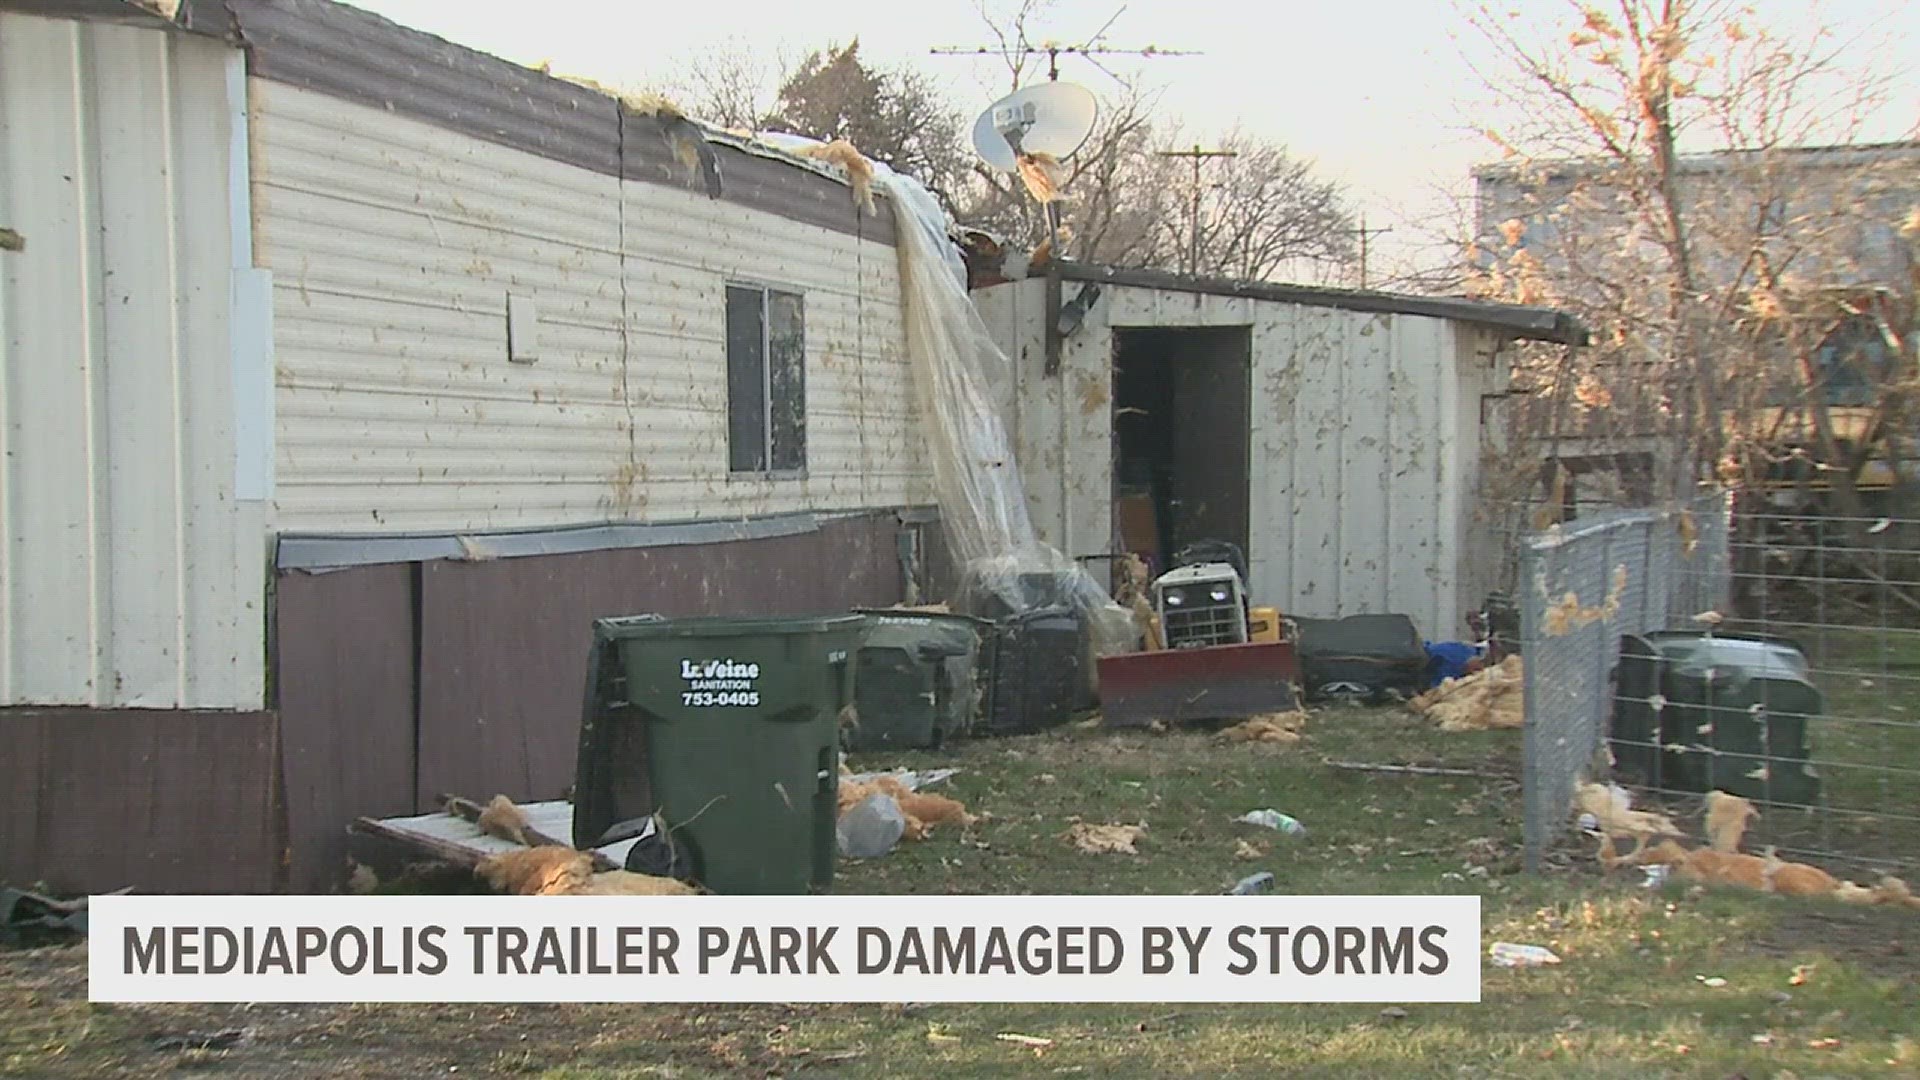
(1269,213)
(733,86)
(1659,184)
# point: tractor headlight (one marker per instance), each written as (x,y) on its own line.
(1174,599)
(1219,593)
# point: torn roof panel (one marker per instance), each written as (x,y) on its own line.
(355,55)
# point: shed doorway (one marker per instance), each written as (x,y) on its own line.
(1180,435)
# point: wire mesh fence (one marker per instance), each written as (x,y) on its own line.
(1581,587)
(1771,655)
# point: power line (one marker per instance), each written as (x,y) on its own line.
(1197,155)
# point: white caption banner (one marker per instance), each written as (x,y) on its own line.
(784,949)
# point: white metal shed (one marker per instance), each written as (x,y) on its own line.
(1335,435)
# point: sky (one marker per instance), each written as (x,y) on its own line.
(1380,94)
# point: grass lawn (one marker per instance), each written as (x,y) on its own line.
(1810,989)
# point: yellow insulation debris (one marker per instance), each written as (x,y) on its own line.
(859,170)
(1487,699)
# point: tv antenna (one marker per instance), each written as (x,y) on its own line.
(1054,50)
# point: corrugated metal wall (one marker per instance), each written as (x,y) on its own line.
(395,245)
(1365,443)
(130,576)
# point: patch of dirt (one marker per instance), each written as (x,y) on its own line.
(1885,941)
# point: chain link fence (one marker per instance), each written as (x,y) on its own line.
(1581,586)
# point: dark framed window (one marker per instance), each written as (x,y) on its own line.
(766,381)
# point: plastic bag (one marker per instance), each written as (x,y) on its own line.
(871,827)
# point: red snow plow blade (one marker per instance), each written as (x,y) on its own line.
(1221,682)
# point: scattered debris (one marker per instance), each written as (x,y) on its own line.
(871,827)
(1393,1012)
(1797,879)
(1611,807)
(11,240)
(1489,699)
(197,1040)
(628,883)
(1713,982)
(561,871)
(1034,1041)
(361,880)
(503,819)
(1508,954)
(1417,770)
(859,170)
(1042,174)
(1566,614)
(1273,819)
(539,871)
(1253,883)
(1283,728)
(920,810)
(23,910)
(1106,839)
(1248,852)
(1727,817)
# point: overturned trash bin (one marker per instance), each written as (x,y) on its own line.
(727,730)
(919,678)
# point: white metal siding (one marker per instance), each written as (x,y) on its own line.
(395,244)
(1364,434)
(130,576)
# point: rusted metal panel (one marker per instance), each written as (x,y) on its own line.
(160,800)
(345,675)
(504,660)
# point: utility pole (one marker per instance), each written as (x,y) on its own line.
(1363,232)
(1197,155)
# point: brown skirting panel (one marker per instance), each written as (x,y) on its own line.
(93,800)
(490,703)
(504,660)
(345,679)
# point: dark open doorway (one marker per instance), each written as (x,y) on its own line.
(1180,438)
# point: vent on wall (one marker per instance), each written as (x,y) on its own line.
(523,329)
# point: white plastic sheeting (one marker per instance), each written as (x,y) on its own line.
(955,361)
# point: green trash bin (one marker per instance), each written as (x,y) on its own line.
(917,678)
(728,729)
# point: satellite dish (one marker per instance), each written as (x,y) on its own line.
(1048,118)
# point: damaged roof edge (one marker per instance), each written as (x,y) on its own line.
(160,14)
(1519,320)
(355,55)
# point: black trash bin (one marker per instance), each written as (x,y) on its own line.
(919,678)
(728,730)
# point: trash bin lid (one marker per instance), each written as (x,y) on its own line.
(724,625)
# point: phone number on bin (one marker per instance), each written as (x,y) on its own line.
(743,697)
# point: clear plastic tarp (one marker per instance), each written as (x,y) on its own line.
(955,362)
